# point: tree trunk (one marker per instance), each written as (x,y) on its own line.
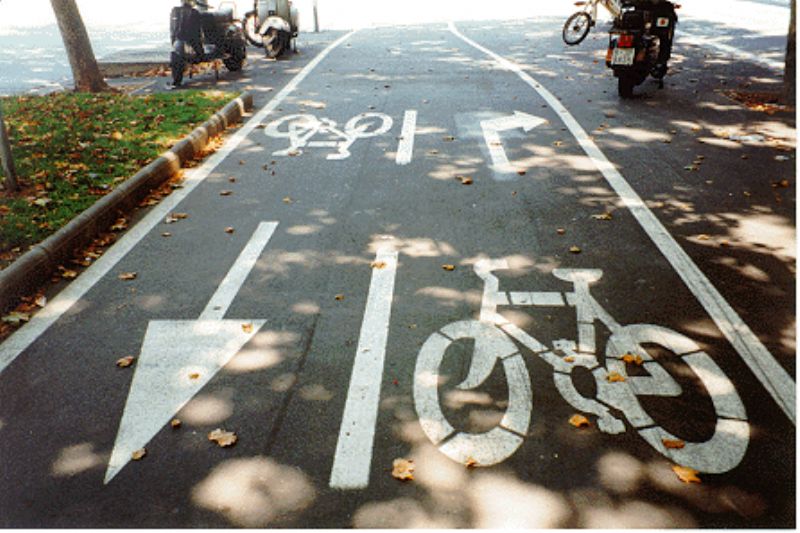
(6,159)
(85,71)
(789,74)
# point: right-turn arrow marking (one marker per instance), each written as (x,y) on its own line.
(491,132)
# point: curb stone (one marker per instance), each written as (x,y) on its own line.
(30,271)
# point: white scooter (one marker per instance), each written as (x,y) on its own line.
(278,25)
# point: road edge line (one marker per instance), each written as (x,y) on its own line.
(761,362)
(21,339)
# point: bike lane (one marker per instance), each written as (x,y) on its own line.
(339,221)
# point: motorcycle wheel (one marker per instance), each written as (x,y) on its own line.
(238,52)
(273,43)
(625,86)
(251,30)
(576,28)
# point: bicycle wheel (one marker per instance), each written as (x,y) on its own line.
(480,449)
(724,450)
(576,28)
(369,124)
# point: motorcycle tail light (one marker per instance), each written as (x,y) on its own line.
(625,40)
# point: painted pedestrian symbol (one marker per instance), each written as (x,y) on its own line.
(179,357)
(307,131)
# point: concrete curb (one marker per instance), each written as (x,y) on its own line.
(28,273)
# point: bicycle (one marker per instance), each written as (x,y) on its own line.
(615,387)
(577,26)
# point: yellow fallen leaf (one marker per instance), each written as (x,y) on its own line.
(579,421)
(603,216)
(194,375)
(615,377)
(175,423)
(139,454)
(403,469)
(166,234)
(569,359)
(288,200)
(632,359)
(465,180)
(119,225)
(223,438)
(471,462)
(41,301)
(574,250)
(449,268)
(125,362)
(339,297)
(673,444)
(703,237)
(117,136)
(686,474)
(127,276)
(69,274)
(378,265)
(247,328)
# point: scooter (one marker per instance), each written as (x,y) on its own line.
(277,23)
(640,43)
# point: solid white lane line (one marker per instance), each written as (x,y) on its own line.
(357,433)
(768,371)
(405,150)
(233,281)
(27,335)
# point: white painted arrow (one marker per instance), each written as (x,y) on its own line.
(491,132)
(179,357)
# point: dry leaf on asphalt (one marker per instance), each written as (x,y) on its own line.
(378,265)
(471,463)
(673,444)
(579,421)
(632,359)
(288,200)
(127,276)
(403,469)
(574,250)
(615,377)
(139,454)
(125,362)
(449,268)
(561,231)
(247,328)
(194,375)
(339,297)
(223,438)
(225,193)
(603,216)
(175,423)
(229,230)
(465,180)
(686,474)
(569,359)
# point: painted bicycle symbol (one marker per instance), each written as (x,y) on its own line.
(722,452)
(307,131)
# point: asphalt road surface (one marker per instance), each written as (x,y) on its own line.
(438,244)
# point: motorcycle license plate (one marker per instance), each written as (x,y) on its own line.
(623,56)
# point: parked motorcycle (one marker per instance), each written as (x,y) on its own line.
(217,35)
(272,25)
(640,43)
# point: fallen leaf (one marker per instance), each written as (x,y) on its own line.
(127,276)
(575,250)
(68,274)
(378,265)
(632,359)
(139,454)
(180,216)
(449,268)
(615,377)
(175,423)
(579,421)
(125,362)
(194,375)
(16,318)
(686,474)
(42,202)
(603,216)
(561,231)
(166,234)
(569,359)
(223,438)
(120,225)
(465,180)
(339,297)
(448,138)
(288,200)
(229,230)
(703,237)
(247,328)
(673,444)
(471,462)
(403,469)
(521,172)
(41,301)
(225,193)
(117,136)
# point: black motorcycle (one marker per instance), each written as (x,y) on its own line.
(640,43)
(217,35)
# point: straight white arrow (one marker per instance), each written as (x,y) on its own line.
(491,132)
(179,357)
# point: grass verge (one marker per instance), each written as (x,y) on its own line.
(72,148)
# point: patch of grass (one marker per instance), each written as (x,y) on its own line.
(72,148)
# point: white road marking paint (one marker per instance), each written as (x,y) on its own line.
(179,357)
(357,433)
(763,365)
(491,133)
(27,335)
(737,53)
(405,150)
(301,128)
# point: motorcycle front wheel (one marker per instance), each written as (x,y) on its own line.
(576,28)
(273,43)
